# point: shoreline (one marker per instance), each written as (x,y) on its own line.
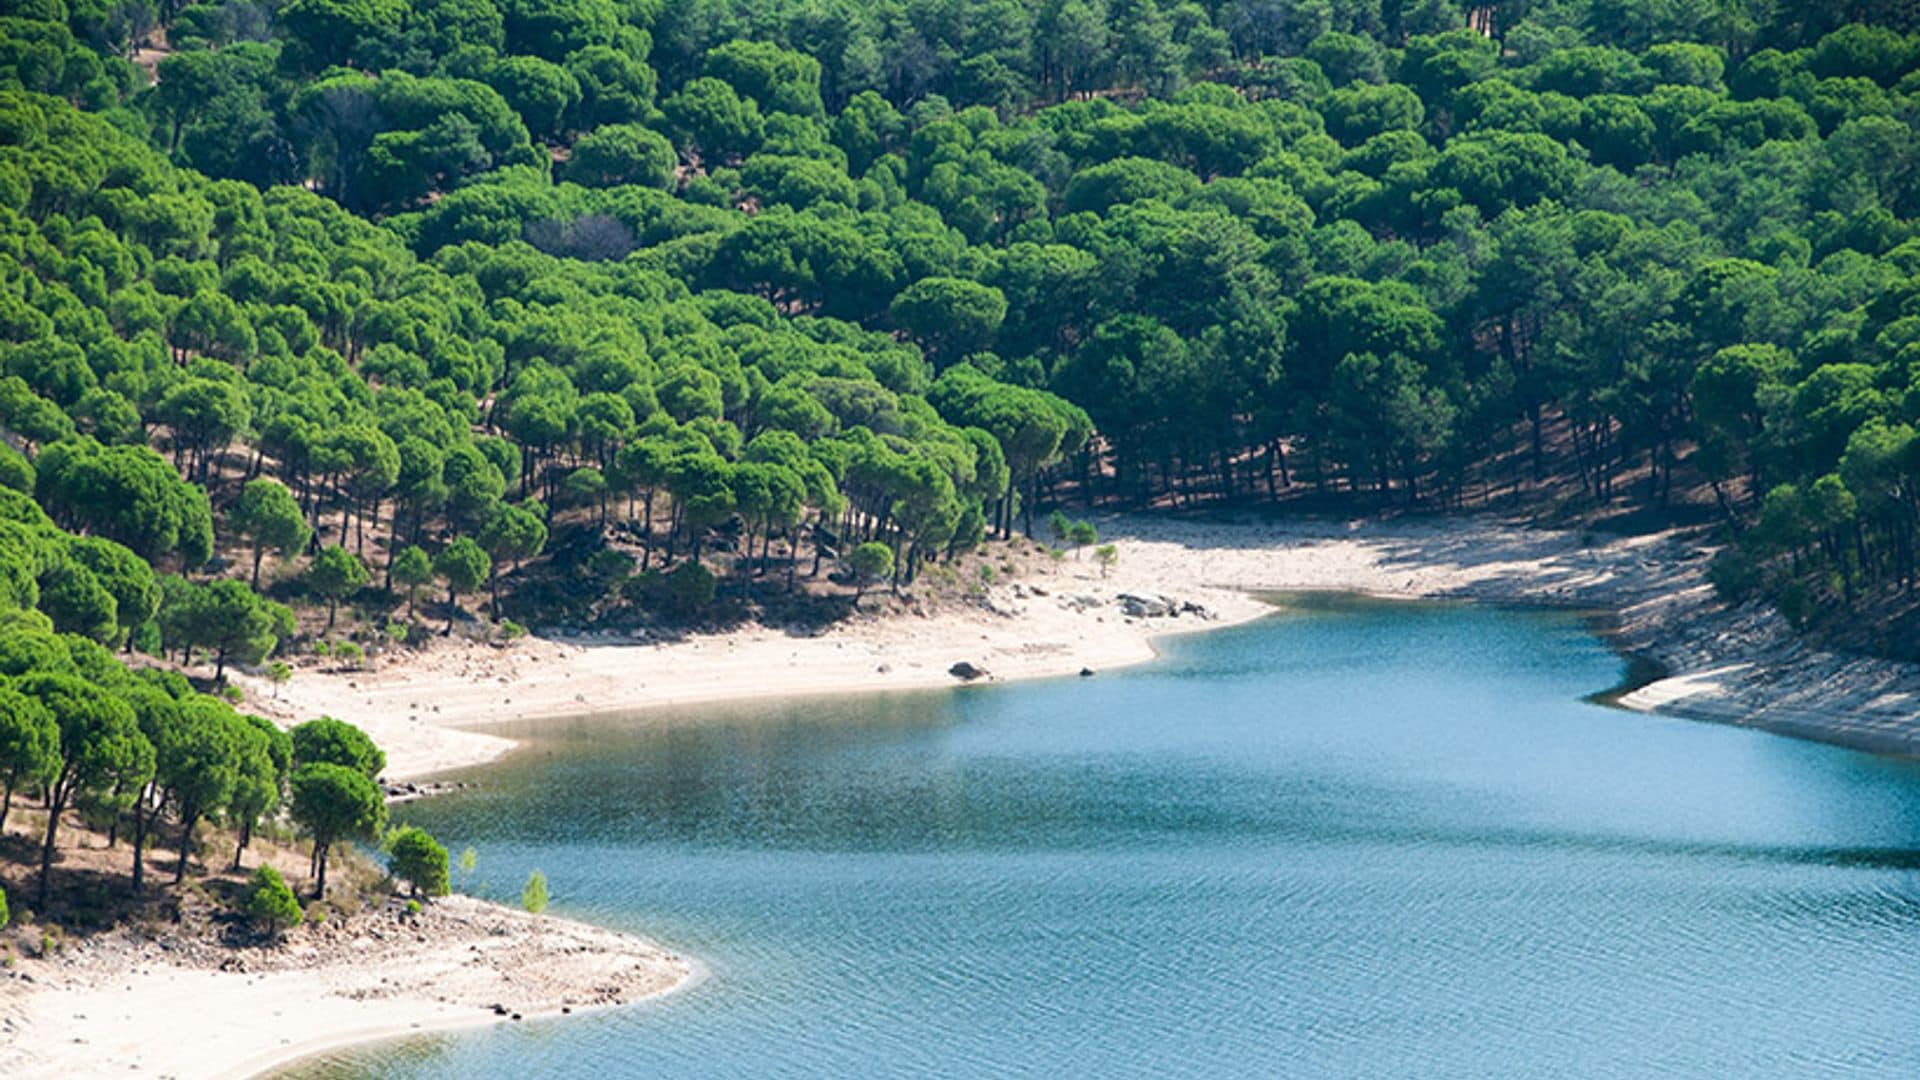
(128,1002)
(431,709)
(322,1045)
(1647,596)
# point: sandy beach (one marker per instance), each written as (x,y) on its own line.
(127,1004)
(430,710)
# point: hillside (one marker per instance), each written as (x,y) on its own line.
(329,326)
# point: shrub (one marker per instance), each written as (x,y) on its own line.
(1734,575)
(690,586)
(534,896)
(677,593)
(416,858)
(610,564)
(871,561)
(1796,602)
(271,904)
(1058,526)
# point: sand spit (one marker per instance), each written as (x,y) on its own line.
(129,1004)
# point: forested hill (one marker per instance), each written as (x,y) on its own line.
(401,288)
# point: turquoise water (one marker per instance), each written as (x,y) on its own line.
(1359,840)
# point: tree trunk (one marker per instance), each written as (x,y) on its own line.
(646,534)
(320,873)
(56,802)
(144,816)
(187,822)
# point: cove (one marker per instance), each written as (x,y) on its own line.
(1351,840)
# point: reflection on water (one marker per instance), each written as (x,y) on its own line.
(1351,840)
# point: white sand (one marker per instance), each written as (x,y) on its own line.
(121,1007)
(1727,665)
(423,707)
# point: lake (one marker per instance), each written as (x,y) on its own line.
(1355,839)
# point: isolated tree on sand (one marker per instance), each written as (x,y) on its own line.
(1058,526)
(278,673)
(871,561)
(416,858)
(336,574)
(271,904)
(1080,534)
(465,568)
(268,515)
(334,803)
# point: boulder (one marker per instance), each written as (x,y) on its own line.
(967,672)
(1145,607)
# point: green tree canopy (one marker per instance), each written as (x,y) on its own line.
(416,858)
(334,803)
(336,742)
